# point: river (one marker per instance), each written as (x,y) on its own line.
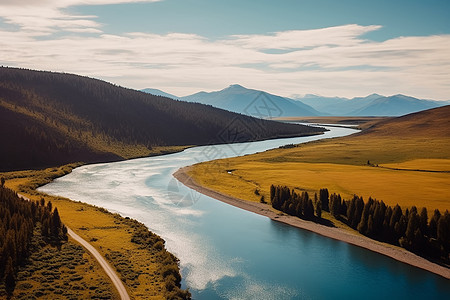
(229,253)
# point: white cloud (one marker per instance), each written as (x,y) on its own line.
(44,17)
(297,39)
(329,61)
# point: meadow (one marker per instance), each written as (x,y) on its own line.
(403,161)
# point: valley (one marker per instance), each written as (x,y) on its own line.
(224,150)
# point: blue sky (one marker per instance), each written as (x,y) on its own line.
(332,48)
(218,19)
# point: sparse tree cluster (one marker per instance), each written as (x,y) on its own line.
(292,203)
(409,229)
(18,219)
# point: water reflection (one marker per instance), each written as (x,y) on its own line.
(229,253)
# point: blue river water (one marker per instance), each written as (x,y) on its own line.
(229,253)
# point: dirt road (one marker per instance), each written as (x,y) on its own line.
(107,267)
(103,263)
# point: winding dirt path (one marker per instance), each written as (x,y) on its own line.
(101,260)
(103,263)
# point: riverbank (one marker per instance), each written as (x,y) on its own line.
(146,268)
(394,252)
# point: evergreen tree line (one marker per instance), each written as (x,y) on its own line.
(18,220)
(410,229)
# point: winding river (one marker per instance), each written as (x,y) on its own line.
(229,253)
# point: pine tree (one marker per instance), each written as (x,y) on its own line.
(309,213)
(362,226)
(396,214)
(10,277)
(443,231)
(408,241)
(424,221)
(433,223)
(335,205)
(319,209)
(400,227)
(359,207)
(387,231)
(343,208)
(378,217)
(323,197)
(351,211)
(55,223)
(370,226)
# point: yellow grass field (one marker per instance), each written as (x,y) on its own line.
(409,165)
(406,188)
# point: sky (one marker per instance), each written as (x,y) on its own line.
(345,48)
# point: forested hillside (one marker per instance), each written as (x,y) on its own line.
(54,118)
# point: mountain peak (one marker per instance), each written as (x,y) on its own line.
(158,92)
(235,87)
(374,95)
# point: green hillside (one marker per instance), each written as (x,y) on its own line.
(49,119)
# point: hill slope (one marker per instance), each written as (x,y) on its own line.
(256,103)
(432,123)
(422,135)
(50,119)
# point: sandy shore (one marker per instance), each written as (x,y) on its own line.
(394,252)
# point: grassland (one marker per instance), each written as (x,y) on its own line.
(118,239)
(401,153)
(69,272)
(403,160)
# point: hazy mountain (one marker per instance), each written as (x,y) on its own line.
(395,106)
(239,99)
(157,92)
(372,105)
(320,103)
(256,103)
(49,119)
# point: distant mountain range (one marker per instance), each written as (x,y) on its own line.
(256,103)
(372,105)
(261,104)
(239,99)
